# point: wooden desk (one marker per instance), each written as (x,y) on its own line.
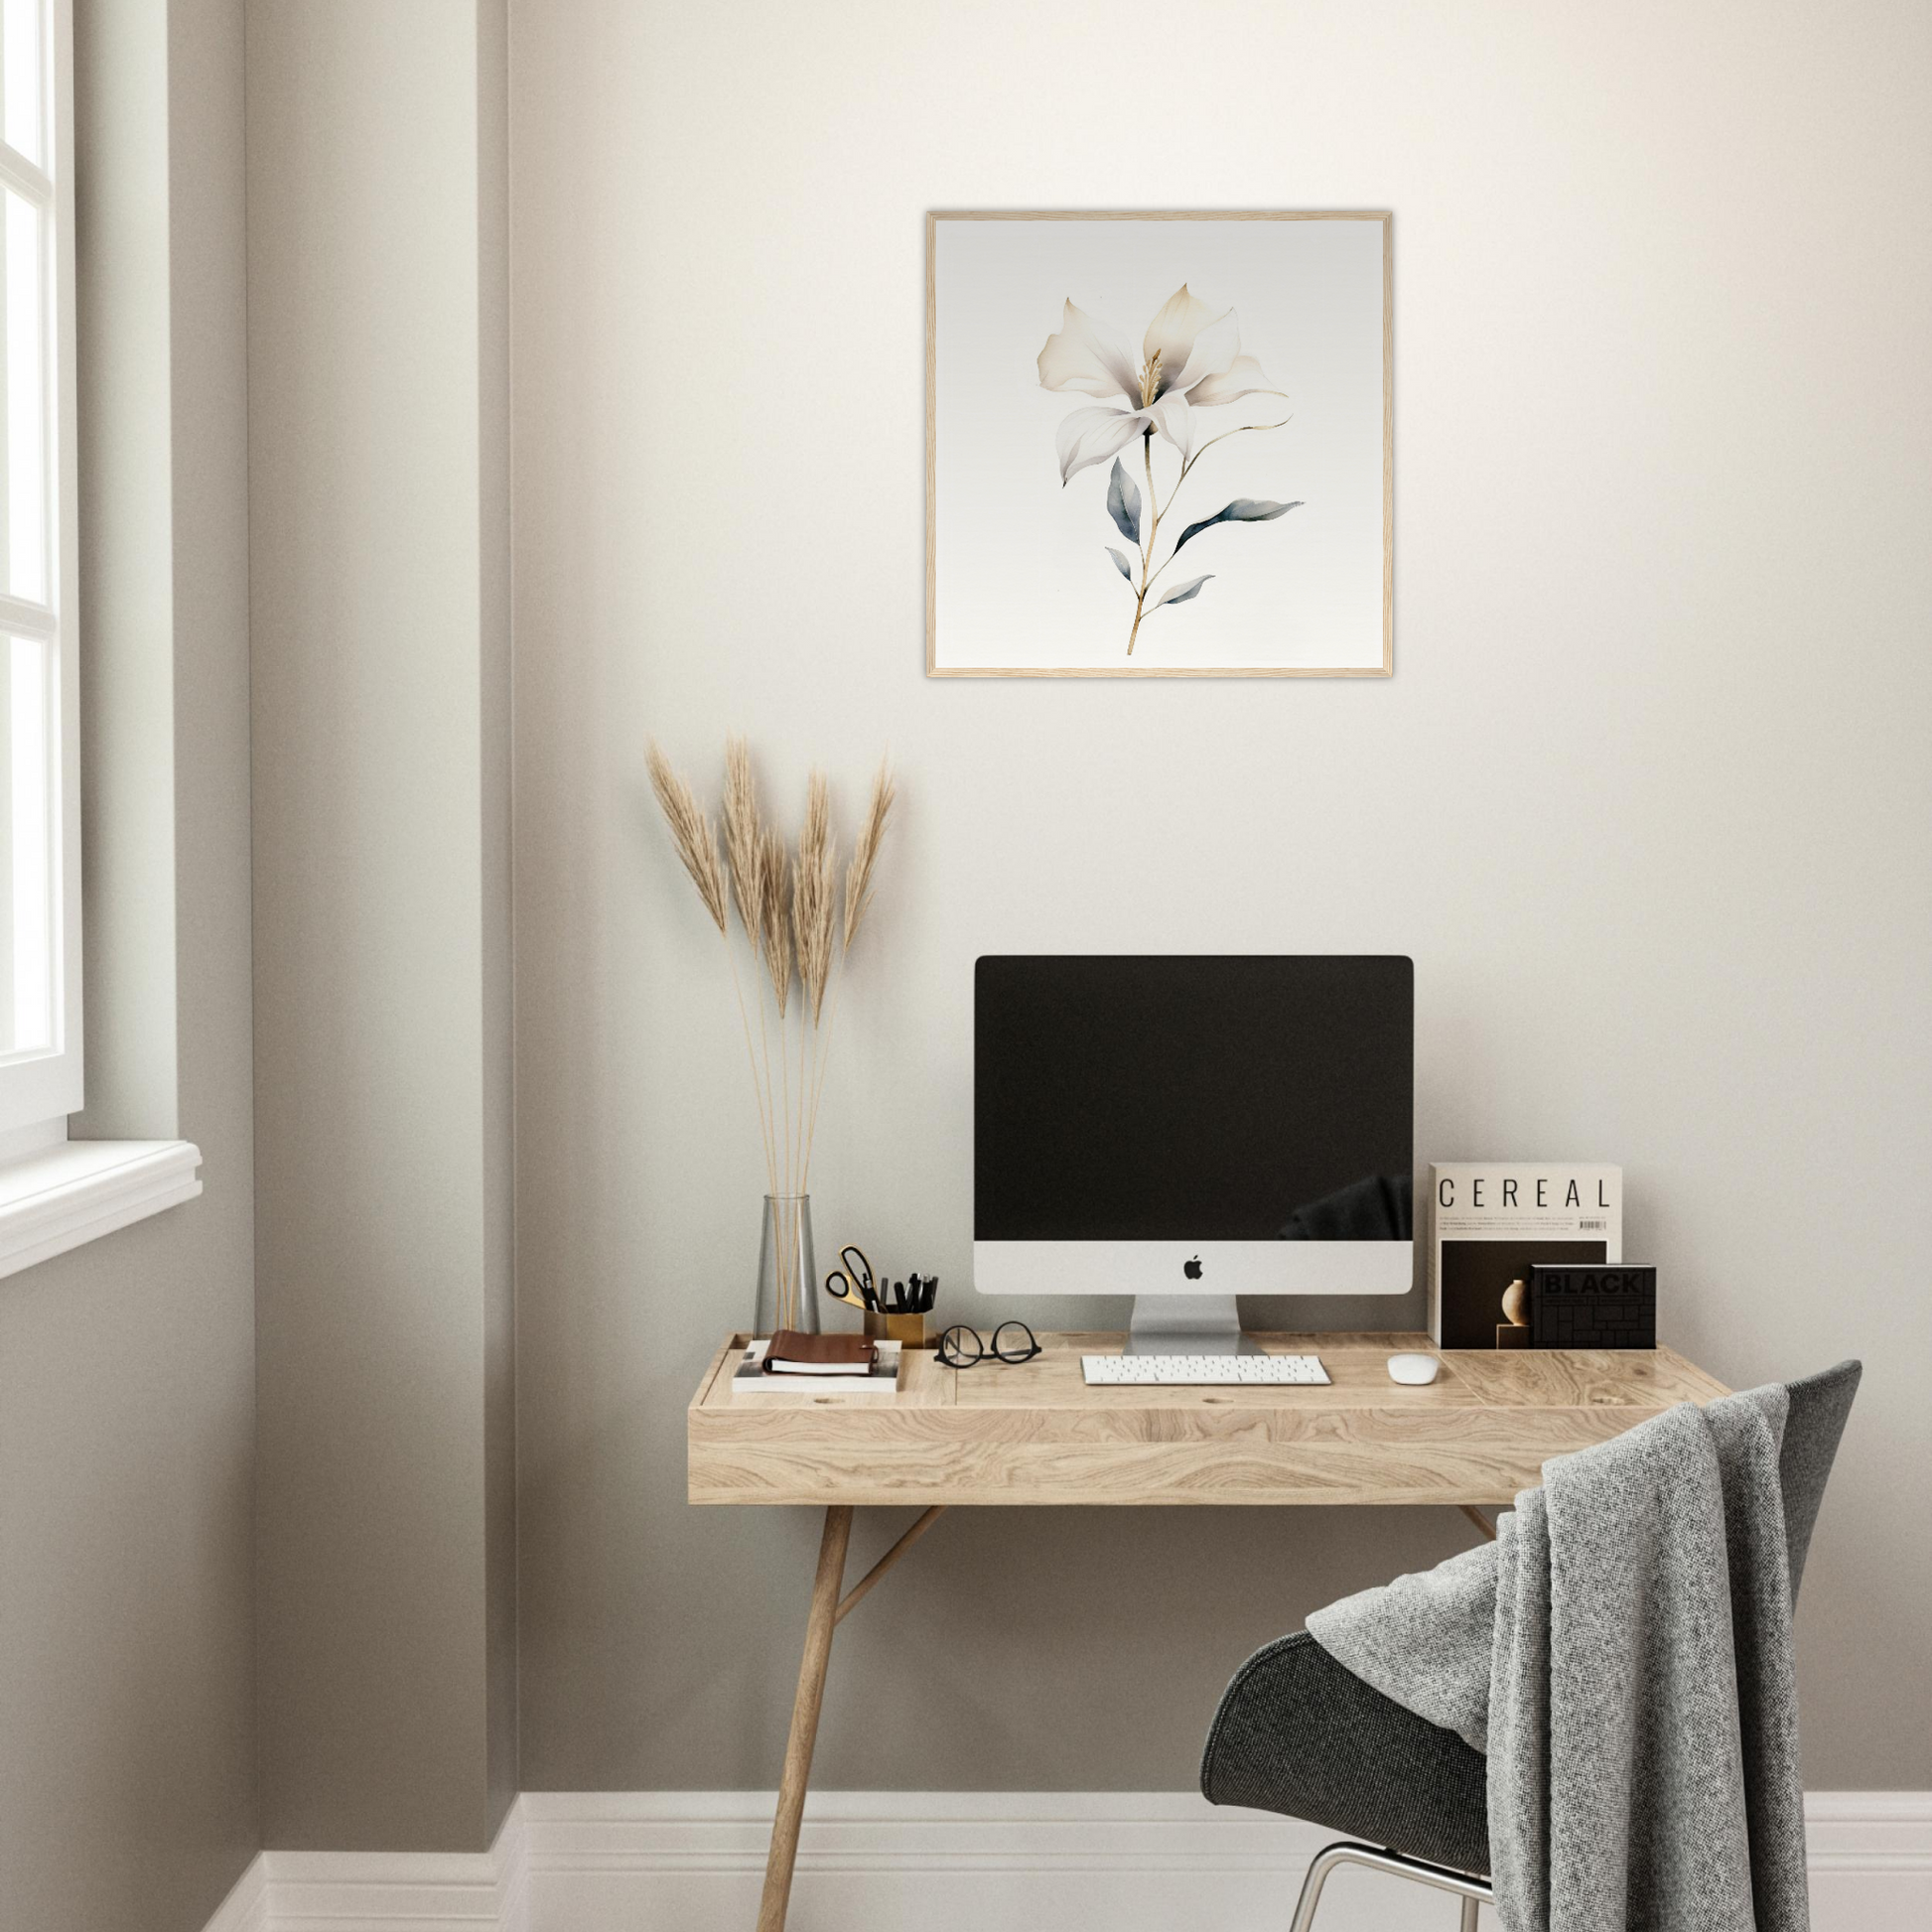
(1032,1434)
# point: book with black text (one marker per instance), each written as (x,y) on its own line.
(1491,1221)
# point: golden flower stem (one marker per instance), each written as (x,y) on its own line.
(1147,546)
(1147,554)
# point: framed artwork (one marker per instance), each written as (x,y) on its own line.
(1159,445)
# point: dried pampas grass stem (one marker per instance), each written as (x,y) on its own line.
(789,916)
(864,851)
(743,846)
(814,898)
(774,919)
(691,832)
(858,899)
(814,910)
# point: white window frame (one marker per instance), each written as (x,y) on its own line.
(55,1192)
(38,1089)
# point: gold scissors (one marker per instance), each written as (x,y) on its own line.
(853,1281)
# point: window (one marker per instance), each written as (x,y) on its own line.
(39,846)
(55,1193)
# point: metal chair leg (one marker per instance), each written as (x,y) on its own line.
(1471,1890)
(1325,1862)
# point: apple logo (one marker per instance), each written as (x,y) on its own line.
(1191,1269)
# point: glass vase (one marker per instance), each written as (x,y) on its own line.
(788,1271)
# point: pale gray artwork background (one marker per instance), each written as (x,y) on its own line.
(1022,576)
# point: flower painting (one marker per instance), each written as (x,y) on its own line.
(1190,360)
(1201,423)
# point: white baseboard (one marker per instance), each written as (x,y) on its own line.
(955,1862)
(384,1891)
(245,1909)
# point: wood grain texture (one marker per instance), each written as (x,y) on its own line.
(933,667)
(1034,1433)
(820,1621)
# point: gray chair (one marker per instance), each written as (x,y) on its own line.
(1298,1734)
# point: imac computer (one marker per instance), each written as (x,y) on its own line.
(1184,1130)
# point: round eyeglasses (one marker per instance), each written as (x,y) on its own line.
(962,1347)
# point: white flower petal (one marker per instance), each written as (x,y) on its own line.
(1245,379)
(1089,359)
(1175,421)
(1093,435)
(1171,335)
(1214,352)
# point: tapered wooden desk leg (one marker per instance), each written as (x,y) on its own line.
(1478,1519)
(804,1719)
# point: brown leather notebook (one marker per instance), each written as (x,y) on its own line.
(793,1353)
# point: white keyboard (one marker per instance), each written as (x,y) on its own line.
(1201,1371)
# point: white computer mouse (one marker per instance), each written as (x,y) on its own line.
(1415,1369)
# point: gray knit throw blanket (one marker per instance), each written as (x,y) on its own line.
(1622,1652)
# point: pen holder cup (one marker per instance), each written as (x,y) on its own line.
(906,1328)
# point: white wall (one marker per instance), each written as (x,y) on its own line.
(1647,797)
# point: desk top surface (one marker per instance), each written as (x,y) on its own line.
(1034,1433)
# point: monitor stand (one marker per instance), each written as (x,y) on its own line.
(1186,1325)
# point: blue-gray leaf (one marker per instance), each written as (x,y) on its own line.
(1244,510)
(1121,562)
(1185,592)
(1123,504)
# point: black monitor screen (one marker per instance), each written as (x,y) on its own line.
(1247,1098)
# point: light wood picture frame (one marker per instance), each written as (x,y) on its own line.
(1071,443)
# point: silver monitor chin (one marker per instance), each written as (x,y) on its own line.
(1183,1296)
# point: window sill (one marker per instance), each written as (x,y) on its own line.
(78,1191)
